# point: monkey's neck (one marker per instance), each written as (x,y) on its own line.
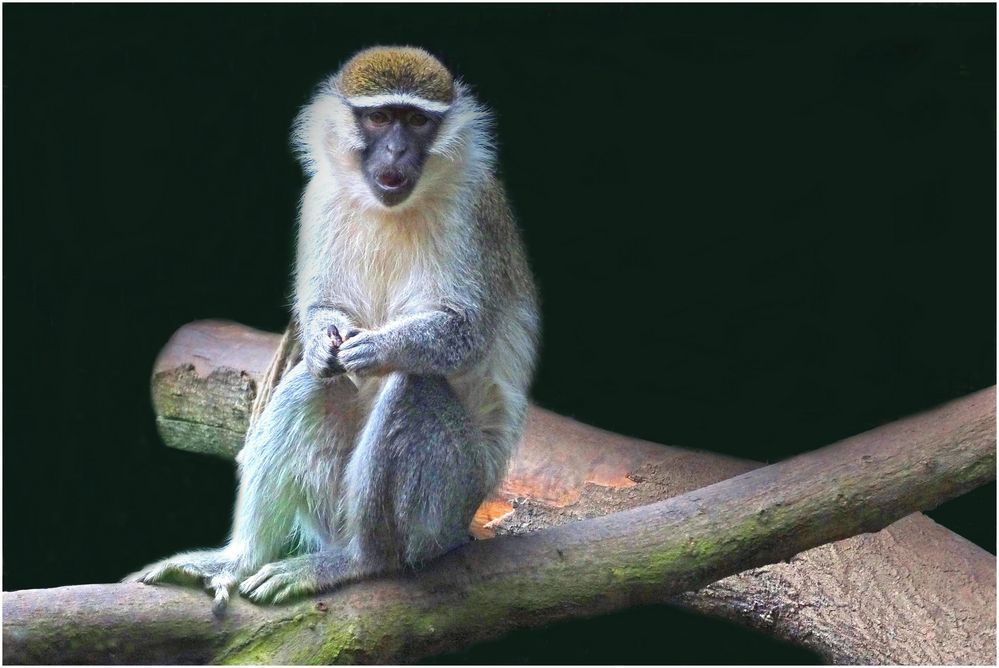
(428,215)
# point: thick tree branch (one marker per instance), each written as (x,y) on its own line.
(845,600)
(604,564)
(597,565)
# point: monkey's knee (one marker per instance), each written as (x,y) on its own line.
(409,476)
(444,478)
(436,502)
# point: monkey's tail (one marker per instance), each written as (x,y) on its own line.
(286,356)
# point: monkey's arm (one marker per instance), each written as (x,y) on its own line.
(456,333)
(439,342)
(323,322)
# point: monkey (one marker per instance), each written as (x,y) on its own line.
(419,324)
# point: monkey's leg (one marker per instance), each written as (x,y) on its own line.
(278,453)
(416,477)
(411,488)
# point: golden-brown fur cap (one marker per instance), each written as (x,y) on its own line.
(397,75)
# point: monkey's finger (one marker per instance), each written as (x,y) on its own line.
(352,332)
(334,335)
(351,342)
(356,355)
(333,365)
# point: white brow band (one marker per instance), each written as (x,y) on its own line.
(398,98)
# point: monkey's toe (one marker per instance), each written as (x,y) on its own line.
(292,591)
(266,591)
(280,589)
(257,579)
(177,573)
(276,583)
(219,586)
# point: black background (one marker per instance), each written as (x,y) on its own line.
(757,230)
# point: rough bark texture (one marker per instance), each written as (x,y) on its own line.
(914,593)
(641,555)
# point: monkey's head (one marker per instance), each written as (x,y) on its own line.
(394,123)
(399,97)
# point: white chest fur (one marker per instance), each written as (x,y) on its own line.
(385,267)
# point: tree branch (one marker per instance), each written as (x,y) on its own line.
(642,555)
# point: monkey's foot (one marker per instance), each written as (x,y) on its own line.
(214,570)
(284,580)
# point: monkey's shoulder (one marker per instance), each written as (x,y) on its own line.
(495,219)
(503,249)
(492,204)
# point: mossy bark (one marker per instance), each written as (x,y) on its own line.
(642,555)
(913,593)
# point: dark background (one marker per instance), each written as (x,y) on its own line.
(757,230)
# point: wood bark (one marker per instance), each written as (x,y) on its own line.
(914,593)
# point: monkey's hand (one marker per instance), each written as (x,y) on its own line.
(281,581)
(365,352)
(214,570)
(321,353)
(439,342)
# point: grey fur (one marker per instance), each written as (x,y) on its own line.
(419,325)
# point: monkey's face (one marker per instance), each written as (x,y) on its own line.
(397,141)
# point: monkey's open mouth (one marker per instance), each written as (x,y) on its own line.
(391,179)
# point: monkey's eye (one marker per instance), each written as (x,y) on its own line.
(416,119)
(378,118)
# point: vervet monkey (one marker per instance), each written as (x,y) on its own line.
(419,325)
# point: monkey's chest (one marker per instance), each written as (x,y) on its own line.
(380,291)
